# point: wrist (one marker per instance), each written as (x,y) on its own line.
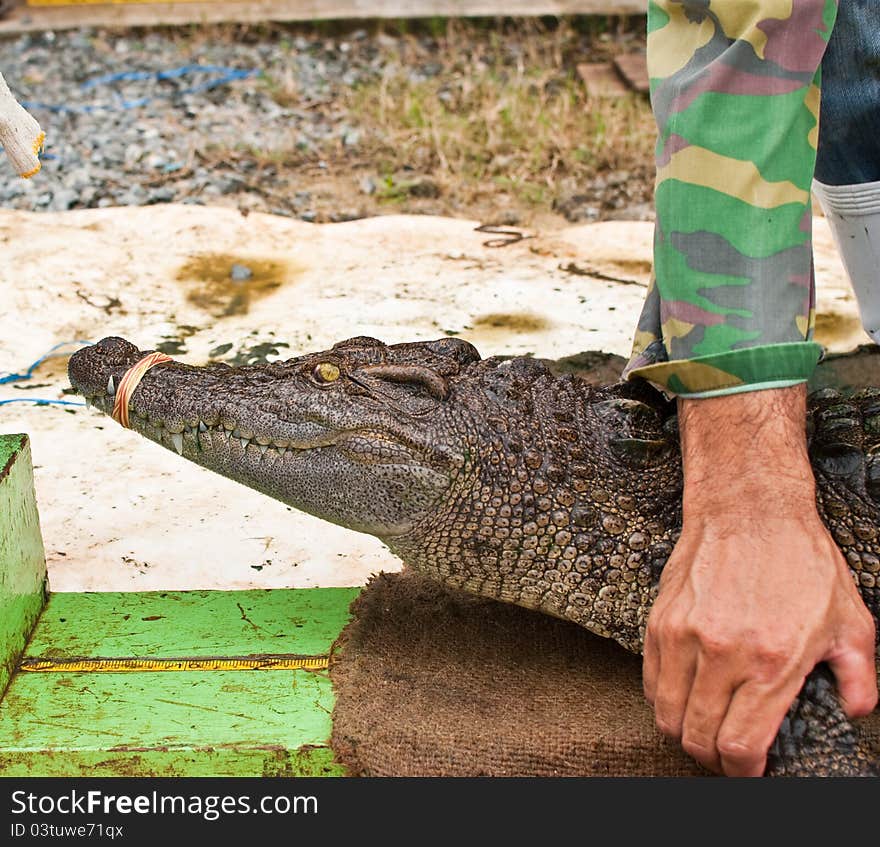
(746,453)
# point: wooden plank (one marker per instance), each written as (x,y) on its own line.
(305,621)
(22,560)
(127,14)
(633,67)
(190,723)
(601,80)
(307,761)
(223,723)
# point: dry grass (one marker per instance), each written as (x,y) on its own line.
(517,120)
(486,119)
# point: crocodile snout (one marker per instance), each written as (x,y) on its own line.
(94,369)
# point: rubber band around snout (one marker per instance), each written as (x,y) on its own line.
(130,380)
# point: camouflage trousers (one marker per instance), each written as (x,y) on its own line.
(736,88)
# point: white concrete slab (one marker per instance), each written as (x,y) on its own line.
(120,513)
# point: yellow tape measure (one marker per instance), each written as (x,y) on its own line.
(97,2)
(191,663)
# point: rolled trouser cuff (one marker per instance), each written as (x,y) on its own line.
(733,372)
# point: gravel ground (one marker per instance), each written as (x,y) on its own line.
(158,152)
(192,140)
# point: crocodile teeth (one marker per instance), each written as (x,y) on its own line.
(177,441)
(263,448)
(202,427)
(244,443)
(111,386)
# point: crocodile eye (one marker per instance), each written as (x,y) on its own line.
(326,372)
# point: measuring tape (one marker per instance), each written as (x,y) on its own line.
(282,662)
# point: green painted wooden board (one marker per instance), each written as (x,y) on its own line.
(192,623)
(225,723)
(191,723)
(22,560)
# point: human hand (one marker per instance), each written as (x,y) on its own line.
(755,593)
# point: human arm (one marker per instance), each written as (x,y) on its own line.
(756,592)
(755,589)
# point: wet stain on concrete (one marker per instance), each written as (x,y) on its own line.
(632,266)
(172,347)
(517,322)
(217,283)
(175,345)
(258,354)
(832,328)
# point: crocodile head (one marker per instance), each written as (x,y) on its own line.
(354,435)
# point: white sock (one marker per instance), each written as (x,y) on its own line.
(853,212)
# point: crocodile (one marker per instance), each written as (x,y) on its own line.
(497,477)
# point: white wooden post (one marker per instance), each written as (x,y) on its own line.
(20,134)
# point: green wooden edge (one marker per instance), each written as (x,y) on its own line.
(191,723)
(22,559)
(191,623)
(199,723)
(255,762)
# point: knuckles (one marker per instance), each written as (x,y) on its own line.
(765,653)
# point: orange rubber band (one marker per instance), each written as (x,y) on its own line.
(130,381)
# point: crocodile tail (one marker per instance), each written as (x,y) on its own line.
(816,738)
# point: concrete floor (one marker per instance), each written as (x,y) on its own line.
(120,513)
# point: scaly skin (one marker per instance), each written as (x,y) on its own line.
(499,478)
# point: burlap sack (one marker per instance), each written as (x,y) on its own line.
(434,682)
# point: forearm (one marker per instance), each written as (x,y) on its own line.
(735,96)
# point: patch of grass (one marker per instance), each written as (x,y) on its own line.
(481,109)
(526,128)
(480,117)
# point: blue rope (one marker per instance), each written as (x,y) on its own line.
(41,402)
(226,75)
(14,377)
(28,374)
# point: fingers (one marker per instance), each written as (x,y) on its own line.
(750,725)
(707,705)
(650,667)
(703,698)
(675,676)
(856,677)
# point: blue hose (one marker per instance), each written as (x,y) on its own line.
(225,76)
(28,374)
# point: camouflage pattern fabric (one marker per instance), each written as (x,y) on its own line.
(735,88)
